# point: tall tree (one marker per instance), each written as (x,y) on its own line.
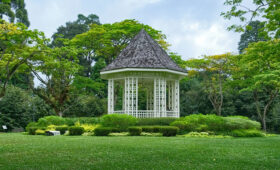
(258,71)
(253,33)
(71,29)
(56,73)
(18,47)
(268,10)
(214,72)
(14,9)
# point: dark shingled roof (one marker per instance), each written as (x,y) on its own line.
(143,52)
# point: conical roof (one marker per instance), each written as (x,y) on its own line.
(143,52)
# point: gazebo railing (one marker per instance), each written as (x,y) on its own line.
(148,113)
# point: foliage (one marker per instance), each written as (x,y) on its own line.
(75,130)
(213,70)
(61,129)
(267,10)
(232,123)
(57,72)
(135,131)
(14,9)
(71,29)
(51,120)
(102,131)
(82,120)
(155,121)
(252,34)
(169,131)
(247,133)
(40,132)
(206,123)
(89,127)
(120,121)
(257,71)
(32,130)
(19,48)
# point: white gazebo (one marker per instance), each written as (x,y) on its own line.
(143,70)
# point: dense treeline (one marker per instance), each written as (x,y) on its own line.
(61,76)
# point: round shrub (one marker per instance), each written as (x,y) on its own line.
(40,132)
(135,131)
(120,121)
(233,123)
(61,129)
(169,131)
(102,131)
(75,130)
(32,130)
(55,120)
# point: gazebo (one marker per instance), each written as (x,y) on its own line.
(143,70)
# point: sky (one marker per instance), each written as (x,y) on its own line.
(193,27)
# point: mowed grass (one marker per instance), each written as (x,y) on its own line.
(19,151)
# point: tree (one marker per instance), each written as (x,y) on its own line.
(14,9)
(18,47)
(268,10)
(214,73)
(252,34)
(56,74)
(71,29)
(258,71)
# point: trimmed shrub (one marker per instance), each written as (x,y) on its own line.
(54,120)
(75,130)
(89,127)
(120,121)
(169,131)
(163,121)
(102,131)
(247,133)
(31,124)
(61,129)
(40,132)
(149,129)
(135,131)
(233,123)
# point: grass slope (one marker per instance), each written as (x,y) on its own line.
(19,151)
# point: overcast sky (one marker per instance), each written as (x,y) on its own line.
(193,27)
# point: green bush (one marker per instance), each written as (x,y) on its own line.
(120,121)
(102,131)
(163,121)
(247,133)
(135,131)
(149,129)
(54,120)
(61,129)
(169,131)
(75,130)
(233,123)
(40,132)
(204,123)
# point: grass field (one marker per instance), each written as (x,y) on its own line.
(19,151)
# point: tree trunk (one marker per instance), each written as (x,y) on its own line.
(60,113)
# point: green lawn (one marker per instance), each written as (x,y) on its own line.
(19,151)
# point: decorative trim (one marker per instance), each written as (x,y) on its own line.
(143,69)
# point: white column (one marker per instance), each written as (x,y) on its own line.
(131,96)
(177,98)
(110,96)
(160,97)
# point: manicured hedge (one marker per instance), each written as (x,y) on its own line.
(102,131)
(40,132)
(76,130)
(62,129)
(119,121)
(163,121)
(247,133)
(135,131)
(169,131)
(82,120)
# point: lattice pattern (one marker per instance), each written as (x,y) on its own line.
(110,96)
(131,95)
